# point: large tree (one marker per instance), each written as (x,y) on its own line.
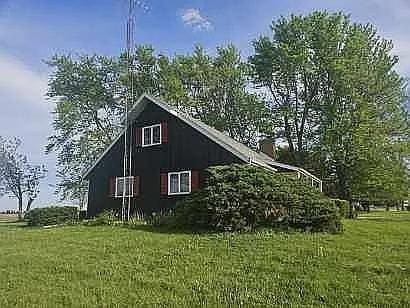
(216,91)
(89,94)
(365,131)
(288,67)
(337,98)
(19,178)
(86,92)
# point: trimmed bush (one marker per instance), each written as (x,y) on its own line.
(346,209)
(242,197)
(53,215)
(105,218)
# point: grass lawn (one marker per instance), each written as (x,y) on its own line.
(80,266)
(5,218)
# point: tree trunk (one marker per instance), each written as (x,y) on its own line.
(20,198)
(343,191)
(29,202)
(288,136)
(301,130)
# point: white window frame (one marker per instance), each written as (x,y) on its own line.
(117,179)
(151,128)
(179,183)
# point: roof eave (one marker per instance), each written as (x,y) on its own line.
(88,171)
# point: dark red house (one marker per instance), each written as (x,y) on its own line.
(169,151)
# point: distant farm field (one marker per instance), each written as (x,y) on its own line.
(79,266)
(8,218)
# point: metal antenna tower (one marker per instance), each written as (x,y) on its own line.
(129,100)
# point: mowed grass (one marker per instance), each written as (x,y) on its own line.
(80,266)
(5,218)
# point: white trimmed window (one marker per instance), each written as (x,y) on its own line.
(151,135)
(124,186)
(179,183)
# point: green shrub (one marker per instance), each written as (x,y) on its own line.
(136,220)
(53,215)
(82,215)
(346,209)
(106,218)
(318,215)
(165,218)
(242,197)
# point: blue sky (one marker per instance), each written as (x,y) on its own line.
(32,31)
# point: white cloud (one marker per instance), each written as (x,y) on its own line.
(21,83)
(24,113)
(193,18)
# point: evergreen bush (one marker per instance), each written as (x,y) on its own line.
(242,197)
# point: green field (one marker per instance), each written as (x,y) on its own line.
(7,218)
(80,266)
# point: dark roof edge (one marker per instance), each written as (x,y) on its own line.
(89,169)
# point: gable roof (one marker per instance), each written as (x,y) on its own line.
(240,150)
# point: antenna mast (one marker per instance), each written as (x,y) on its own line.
(127,163)
(129,101)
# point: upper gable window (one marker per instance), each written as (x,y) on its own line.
(151,135)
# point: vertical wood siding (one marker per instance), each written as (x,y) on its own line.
(184,149)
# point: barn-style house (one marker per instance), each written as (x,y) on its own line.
(168,151)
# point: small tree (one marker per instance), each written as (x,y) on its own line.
(18,178)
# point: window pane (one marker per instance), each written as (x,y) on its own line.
(173,185)
(147,136)
(124,183)
(129,183)
(156,131)
(120,187)
(184,182)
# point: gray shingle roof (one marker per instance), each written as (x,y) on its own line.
(240,150)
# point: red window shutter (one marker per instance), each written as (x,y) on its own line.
(111,189)
(164,132)
(194,180)
(138,136)
(164,184)
(136,185)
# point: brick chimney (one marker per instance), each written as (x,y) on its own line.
(267,146)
